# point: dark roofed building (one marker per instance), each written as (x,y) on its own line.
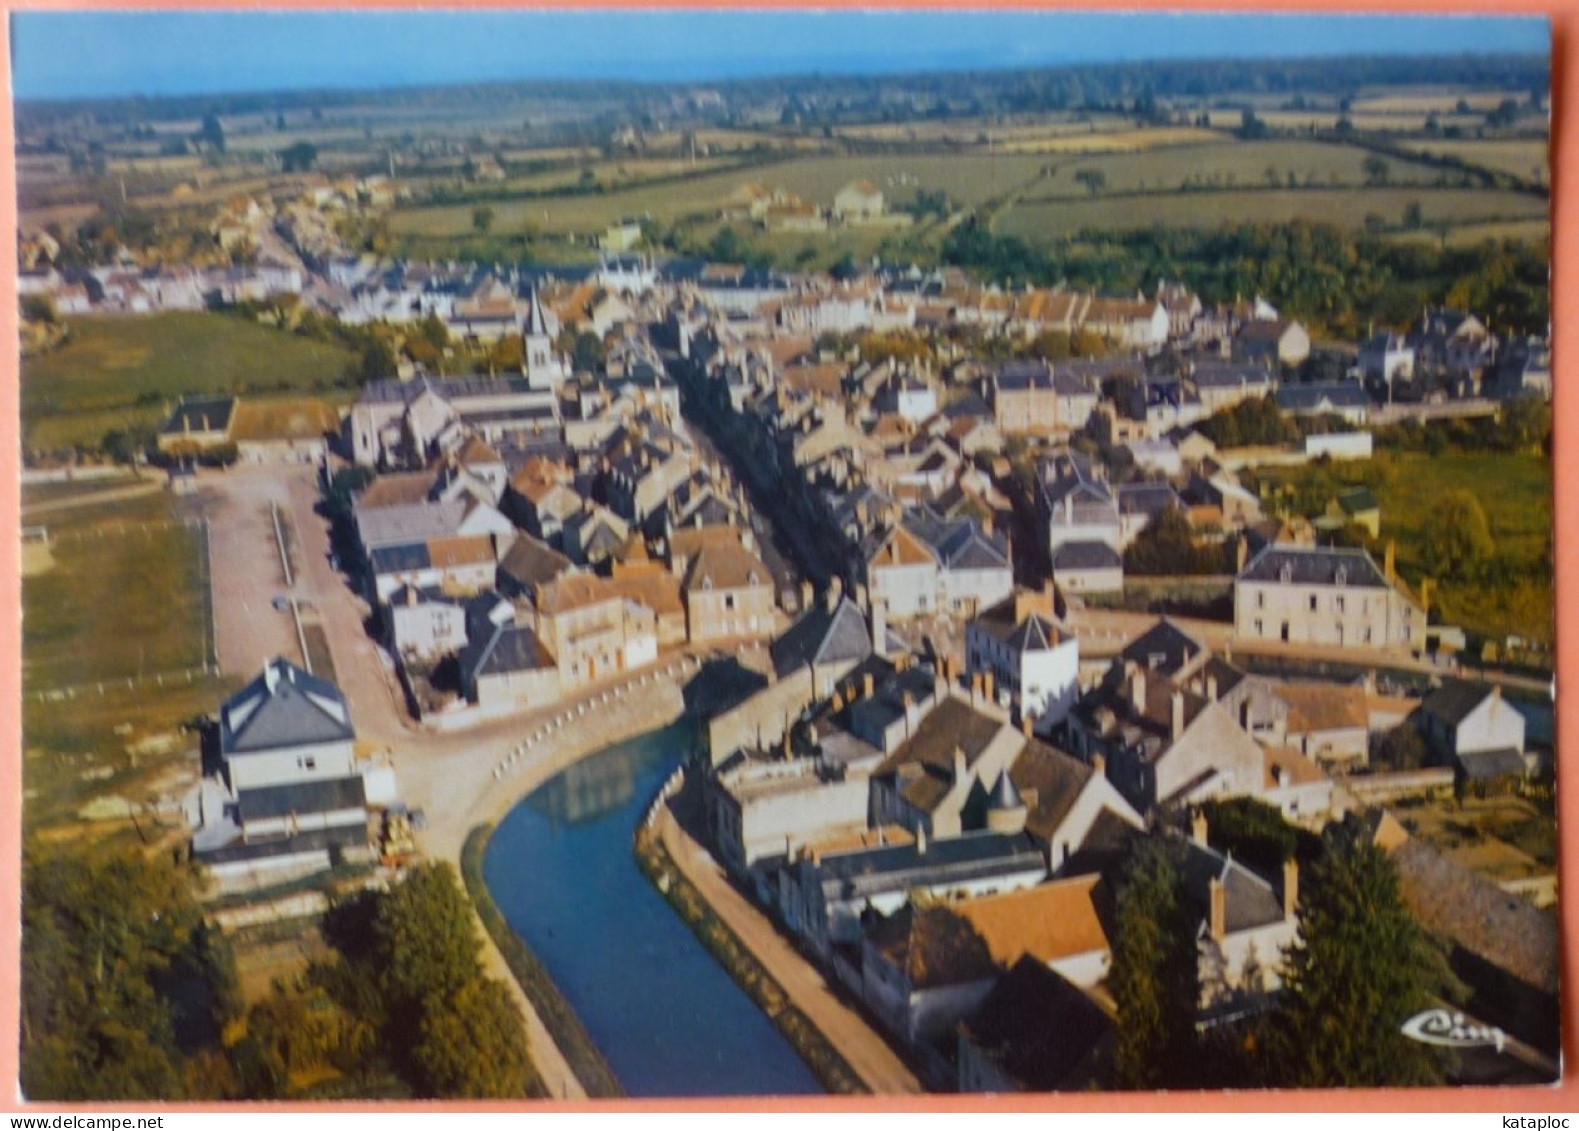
(1088,567)
(197,423)
(1035,1032)
(284,707)
(1332,597)
(829,638)
(1164,647)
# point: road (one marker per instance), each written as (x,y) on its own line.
(867,1052)
(96,498)
(1107,631)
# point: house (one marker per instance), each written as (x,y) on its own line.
(1273,342)
(1385,358)
(1068,804)
(1357,506)
(1345,400)
(1246,925)
(1064,925)
(1296,786)
(290,793)
(825,897)
(1327,723)
(529,564)
(1331,597)
(585,624)
(1025,398)
(1508,951)
(647,583)
(1164,648)
(1029,658)
(459,565)
(1139,504)
(505,667)
(857,202)
(941,779)
(728,594)
(1035,1032)
(1088,567)
(823,644)
(1156,455)
(1222,385)
(923,970)
(425,624)
(290,431)
(1076,503)
(1160,743)
(925,565)
(761,806)
(1471,727)
(197,425)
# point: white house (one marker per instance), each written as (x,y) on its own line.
(1035,664)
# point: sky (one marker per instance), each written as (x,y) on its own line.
(93,54)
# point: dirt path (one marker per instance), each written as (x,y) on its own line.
(867,1053)
(96,498)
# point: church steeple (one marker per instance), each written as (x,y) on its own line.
(544,369)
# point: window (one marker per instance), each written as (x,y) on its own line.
(729,601)
(1337,603)
(1312,602)
(1260,600)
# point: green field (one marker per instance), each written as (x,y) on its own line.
(1248,164)
(1516,493)
(968,179)
(126,596)
(118,372)
(1343,207)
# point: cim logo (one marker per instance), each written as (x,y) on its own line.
(1452,1030)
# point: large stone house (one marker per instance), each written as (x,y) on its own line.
(1335,598)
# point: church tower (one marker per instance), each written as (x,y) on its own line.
(543,367)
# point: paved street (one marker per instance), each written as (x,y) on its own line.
(246,571)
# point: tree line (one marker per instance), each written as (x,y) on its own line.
(134,996)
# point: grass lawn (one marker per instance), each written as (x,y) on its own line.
(126,595)
(1343,207)
(119,371)
(1514,489)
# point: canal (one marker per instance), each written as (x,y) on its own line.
(666,1016)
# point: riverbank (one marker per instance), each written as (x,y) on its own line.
(833,1072)
(575,1044)
(837,1025)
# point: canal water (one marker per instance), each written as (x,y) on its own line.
(666,1016)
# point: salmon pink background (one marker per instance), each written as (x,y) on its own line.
(1564,18)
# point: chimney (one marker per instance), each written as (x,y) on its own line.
(987,682)
(960,769)
(835,594)
(921,840)
(880,628)
(975,688)
(1218,925)
(1211,688)
(1025,723)
(861,598)
(1290,887)
(1177,705)
(1242,553)
(869,685)
(1390,561)
(1099,764)
(805,595)
(1137,690)
(1198,827)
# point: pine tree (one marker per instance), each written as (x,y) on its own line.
(1155,977)
(1363,967)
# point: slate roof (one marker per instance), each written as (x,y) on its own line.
(820,637)
(1456,699)
(1481,765)
(901,867)
(963,544)
(1040,1029)
(401,558)
(1308,398)
(199,414)
(932,947)
(409,522)
(1085,555)
(1218,374)
(1250,901)
(300,798)
(283,707)
(1315,566)
(530,563)
(503,649)
(1147,498)
(1167,640)
(1504,930)
(1050,781)
(1023,376)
